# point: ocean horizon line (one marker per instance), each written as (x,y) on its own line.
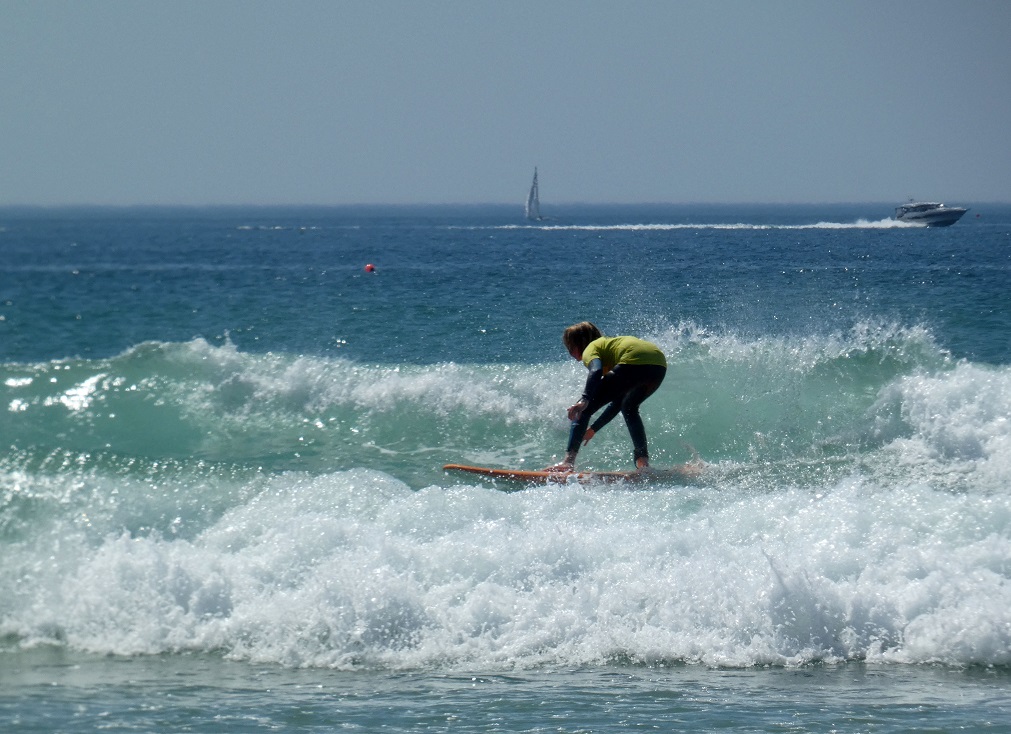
(120,207)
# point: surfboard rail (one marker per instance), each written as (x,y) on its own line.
(690,470)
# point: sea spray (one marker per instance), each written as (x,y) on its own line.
(355,569)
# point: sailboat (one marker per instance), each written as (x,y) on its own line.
(534,201)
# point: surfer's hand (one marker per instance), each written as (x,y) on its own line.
(576,410)
(590,433)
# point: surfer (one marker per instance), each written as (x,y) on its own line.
(624,371)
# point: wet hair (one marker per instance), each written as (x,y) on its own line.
(578,336)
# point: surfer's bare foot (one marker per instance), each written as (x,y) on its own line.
(564,466)
(567,464)
(642,464)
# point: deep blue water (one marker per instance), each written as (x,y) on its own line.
(97,282)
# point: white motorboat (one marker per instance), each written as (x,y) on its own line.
(929,213)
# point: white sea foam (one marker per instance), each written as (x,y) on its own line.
(953,423)
(355,569)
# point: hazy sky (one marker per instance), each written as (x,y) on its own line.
(456,101)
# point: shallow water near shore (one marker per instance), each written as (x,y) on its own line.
(60,691)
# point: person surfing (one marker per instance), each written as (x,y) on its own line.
(623,372)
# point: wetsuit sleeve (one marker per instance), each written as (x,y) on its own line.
(593,379)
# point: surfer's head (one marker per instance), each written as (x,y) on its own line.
(578,336)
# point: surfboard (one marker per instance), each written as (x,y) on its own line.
(680,472)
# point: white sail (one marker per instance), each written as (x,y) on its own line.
(534,200)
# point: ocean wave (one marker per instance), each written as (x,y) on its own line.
(283,509)
(732,398)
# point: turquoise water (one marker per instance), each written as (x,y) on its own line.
(222,504)
(64,693)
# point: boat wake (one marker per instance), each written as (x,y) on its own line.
(859,224)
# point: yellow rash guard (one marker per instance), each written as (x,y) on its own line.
(615,350)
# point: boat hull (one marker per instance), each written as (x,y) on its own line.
(929,215)
(938,219)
